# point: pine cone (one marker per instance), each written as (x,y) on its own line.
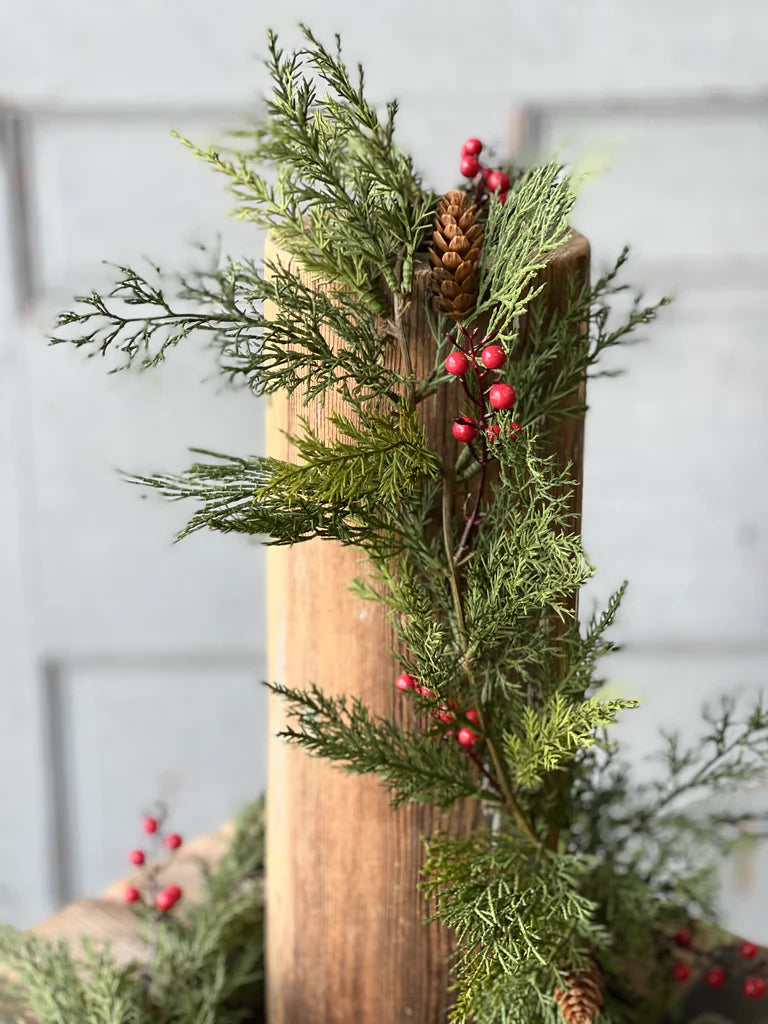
(582,1001)
(457,239)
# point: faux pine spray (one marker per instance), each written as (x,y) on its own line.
(564,902)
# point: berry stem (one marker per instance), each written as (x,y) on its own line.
(470,396)
(473,519)
(478,761)
(483,459)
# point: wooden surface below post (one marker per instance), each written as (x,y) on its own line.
(346,942)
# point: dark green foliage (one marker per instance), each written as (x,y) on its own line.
(378,460)
(416,767)
(649,828)
(284,351)
(527,562)
(342,489)
(228,496)
(549,367)
(347,202)
(208,967)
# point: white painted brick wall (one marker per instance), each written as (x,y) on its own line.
(149,52)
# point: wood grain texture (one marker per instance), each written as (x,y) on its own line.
(346,940)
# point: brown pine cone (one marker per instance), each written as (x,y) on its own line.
(582,1001)
(457,239)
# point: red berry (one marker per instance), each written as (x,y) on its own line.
(754,988)
(748,950)
(472,147)
(174,892)
(172,840)
(469,166)
(444,714)
(131,894)
(457,364)
(683,937)
(466,737)
(164,900)
(424,691)
(493,432)
(494,357)
(503,197)
(150,824)
(498,181)
(716,977)
(681,972)
(502,396)
(136,857)
(514,429)
(405,682)
(473,716)
(464,430)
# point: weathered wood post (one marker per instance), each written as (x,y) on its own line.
(346,942)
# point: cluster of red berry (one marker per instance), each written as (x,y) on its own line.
(445,713)
(754,985)
(467,358)
(470,167)
(162,899)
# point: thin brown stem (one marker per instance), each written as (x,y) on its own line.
(505,786)
(400,306)
(474,515)
(485,772)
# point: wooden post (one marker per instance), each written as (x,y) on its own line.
(346,942)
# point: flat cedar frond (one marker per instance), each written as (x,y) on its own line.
(420,613)
(379,458)
(519,237)
(415,767)
(346,202)
(526,561)
(515,911)
(230,499)
(546,739)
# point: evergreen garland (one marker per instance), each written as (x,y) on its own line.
(577,870)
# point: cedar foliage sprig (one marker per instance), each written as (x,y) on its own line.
(209,963)
(224,303)
(576,866)
(331,151)
(415,767)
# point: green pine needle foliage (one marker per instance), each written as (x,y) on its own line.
(332,152)
(415,767)
(208,967)
(476,559)
(380,460)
